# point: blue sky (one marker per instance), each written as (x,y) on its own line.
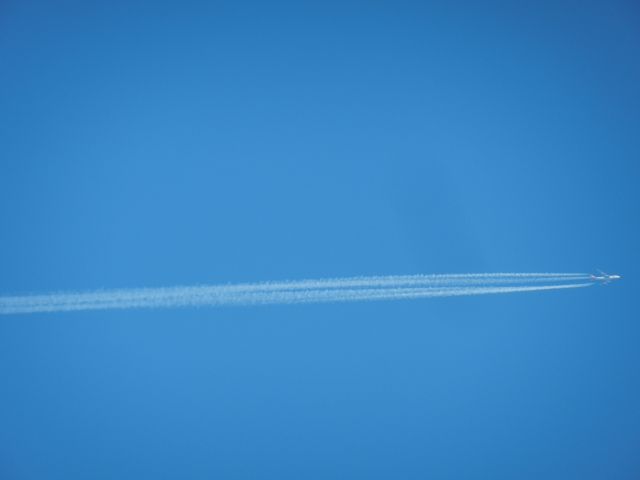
(176,143)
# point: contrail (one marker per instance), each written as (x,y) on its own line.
(392,287)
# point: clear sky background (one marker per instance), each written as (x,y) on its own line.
(151,143)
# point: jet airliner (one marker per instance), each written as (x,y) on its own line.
(604,277)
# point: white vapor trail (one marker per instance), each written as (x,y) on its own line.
(393,287)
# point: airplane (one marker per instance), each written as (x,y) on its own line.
(605,277)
